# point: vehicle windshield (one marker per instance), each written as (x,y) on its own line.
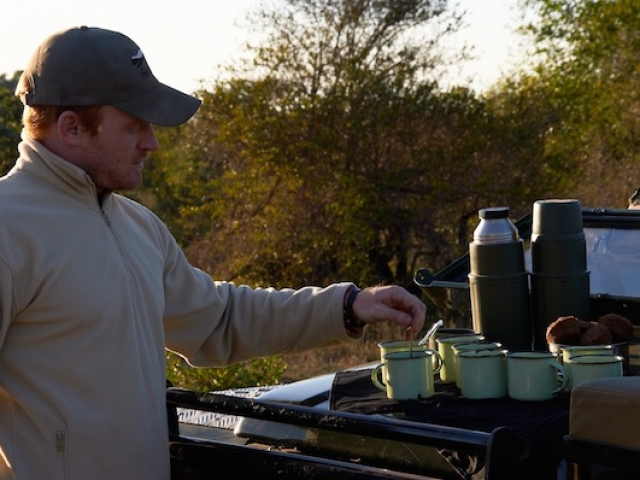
(613,260)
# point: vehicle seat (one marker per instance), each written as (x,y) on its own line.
(604,421)
(607,411)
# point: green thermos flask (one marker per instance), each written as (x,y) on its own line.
(499,281)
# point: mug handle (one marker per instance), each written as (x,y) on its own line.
(561,370)
(375,373)
(438,359)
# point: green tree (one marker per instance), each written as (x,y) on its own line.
(589,61)
(333,154)
(323,139)
(10,127)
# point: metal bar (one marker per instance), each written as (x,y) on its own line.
(469,441)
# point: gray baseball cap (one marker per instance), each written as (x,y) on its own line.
(88,66)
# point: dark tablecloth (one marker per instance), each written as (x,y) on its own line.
(539,426)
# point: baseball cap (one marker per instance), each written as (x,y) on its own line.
(89,66)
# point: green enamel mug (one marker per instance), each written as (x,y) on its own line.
(448,371)
(583,368)
(408,375)
(483,373)
(473,346)
(534,376)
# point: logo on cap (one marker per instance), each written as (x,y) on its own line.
(140,63)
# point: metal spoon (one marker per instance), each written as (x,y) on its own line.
(431,331)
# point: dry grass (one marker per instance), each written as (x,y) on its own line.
(324,360)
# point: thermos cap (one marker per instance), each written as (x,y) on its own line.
(494,212)
(557,217)
(495,227)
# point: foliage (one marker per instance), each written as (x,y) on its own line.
(591,70)
(10,117)
(334,155)
(324,147)
(298,176)
(257,372)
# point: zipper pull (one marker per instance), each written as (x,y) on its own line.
(60,441)
(106,219)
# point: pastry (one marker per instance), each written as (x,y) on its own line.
(620,327)
(564,331)
(597,334)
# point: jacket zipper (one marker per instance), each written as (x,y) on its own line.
(60,442)
(106,218)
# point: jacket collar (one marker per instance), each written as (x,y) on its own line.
(35,159)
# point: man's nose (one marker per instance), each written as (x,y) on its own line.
(149,142)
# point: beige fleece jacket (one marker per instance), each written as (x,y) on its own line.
(90,296)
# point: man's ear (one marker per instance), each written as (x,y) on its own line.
(71,131)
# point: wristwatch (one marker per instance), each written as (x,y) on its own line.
(351,324)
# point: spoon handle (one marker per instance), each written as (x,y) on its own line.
(431,331)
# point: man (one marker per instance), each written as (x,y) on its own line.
(93,286)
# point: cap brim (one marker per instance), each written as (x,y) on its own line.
(162,105)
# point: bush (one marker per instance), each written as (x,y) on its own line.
(256,372)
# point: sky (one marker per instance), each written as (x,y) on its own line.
(185,41)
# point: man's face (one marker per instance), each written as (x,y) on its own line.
(114,158)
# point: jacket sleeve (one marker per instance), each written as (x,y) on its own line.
(216,323)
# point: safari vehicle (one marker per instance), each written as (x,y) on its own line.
(331,426)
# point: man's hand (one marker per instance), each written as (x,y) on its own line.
(390,304)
